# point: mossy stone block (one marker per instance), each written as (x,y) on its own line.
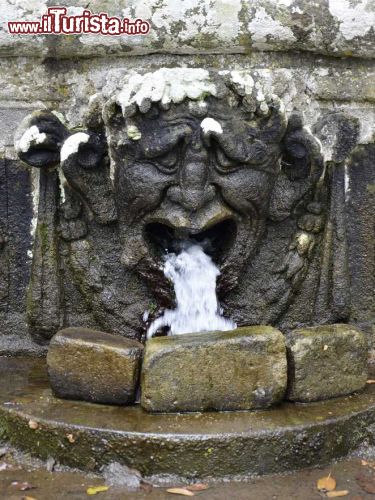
(94,366)
(241,369)
(325,362)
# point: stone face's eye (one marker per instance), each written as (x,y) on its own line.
(223,162)
(168,162)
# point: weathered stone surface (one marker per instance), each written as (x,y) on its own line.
(325,362)
(94,366)
(334,27)
(236,370)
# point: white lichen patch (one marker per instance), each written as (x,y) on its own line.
(166,85)
(30,138)
(200,18)
(62,183)
(347,182)
(35,193)
(264,28)
(243,80)
(355,18)
(285,3)
(264,108)
(133,133)
(259,86)
(71,145)
(211,125)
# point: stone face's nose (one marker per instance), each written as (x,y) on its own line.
(194,190)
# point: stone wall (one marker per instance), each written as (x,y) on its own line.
(318,57)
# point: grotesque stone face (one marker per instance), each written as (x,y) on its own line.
(202,170)
(178,154)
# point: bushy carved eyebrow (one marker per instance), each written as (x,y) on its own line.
(246,150)
(162,140)
(235,149)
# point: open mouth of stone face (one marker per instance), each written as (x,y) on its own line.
(216,240)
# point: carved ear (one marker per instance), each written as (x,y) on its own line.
(86,168)
(39,138)
(338,134)
(301,167)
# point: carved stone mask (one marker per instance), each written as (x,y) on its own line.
(202,170)
(184,154)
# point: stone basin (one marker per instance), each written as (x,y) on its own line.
(87,436)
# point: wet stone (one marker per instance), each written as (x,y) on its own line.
(240,369)
(94,366)
(325,362)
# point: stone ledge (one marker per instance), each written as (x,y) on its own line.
(326,27)
(94,366)
(241,369)
(325,362)
(284,438)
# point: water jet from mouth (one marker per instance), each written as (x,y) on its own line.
(216,240)
(193,274)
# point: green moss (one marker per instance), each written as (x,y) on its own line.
(245,43)
(153,307)
(42,233)
(63,90)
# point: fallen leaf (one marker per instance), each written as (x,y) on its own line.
(181,491)
(23,486)
(366,483)
(197,487)
(337,493)
(368,464)
(370,381)
(326,483)
(71,438)
(325,347)
(33,425)
(93,490)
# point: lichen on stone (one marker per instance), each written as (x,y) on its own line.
(30,137)
(71,145)
(211,125)
(165,86)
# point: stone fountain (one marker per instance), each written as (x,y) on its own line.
(246,162)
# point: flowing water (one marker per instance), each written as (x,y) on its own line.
(193,274)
